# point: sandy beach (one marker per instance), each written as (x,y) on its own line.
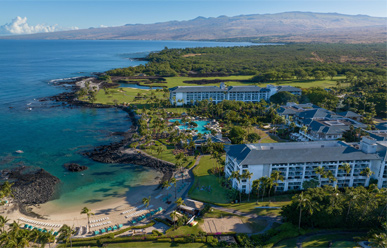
(113,210)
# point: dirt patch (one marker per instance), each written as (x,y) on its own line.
(226,224)
(316,57)
(191,55)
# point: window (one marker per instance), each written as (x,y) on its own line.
(243,186)
(245,166)
(244,180)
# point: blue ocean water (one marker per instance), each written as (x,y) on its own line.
(51,136)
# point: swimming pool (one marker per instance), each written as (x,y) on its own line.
(200,128)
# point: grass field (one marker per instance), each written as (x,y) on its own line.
(323,240)
(251,207)
(230,80)
(184,230)
(168,155)
(203,178)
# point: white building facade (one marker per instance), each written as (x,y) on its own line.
(297,162)
(190,94)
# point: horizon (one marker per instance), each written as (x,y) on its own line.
(26,17)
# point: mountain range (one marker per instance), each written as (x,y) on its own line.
(281,27)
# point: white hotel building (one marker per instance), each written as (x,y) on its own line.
(297,161)
(189,94)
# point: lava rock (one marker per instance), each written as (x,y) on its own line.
(73,167)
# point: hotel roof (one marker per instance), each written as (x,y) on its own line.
(296,152)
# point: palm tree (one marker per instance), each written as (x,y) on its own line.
(277,176)
(367,172)
(174,182)
(378,240)
(257,187)
(46,238)
(166,184)
(3,221)
(237,176)
(271,183)
(179,202)
(65,233)
(303,202)
(88,212)
(321,172)
(347,168)
(264,182)
(173,217)
(146,202)
(247,175)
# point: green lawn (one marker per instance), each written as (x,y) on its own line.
(251,207)
(203,178)
(184,230)
(230,80)
(287,243)
(256,225)
(324,239)
(214,213)
(168,155)
(149,244)
(121,95)
(344,244)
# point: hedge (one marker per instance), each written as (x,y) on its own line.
(106,236)
(164,240)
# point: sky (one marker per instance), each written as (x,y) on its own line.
(30,16)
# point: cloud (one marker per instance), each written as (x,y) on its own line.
(19,25)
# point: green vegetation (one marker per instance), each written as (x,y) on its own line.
(324,240)
(269,62)
(184,230)
(328,207)
(149,244)
(206,186)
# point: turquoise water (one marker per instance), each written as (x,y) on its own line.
(200,128)
(51,135)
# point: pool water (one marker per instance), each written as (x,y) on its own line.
(200,128)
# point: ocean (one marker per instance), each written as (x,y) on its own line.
(51,135)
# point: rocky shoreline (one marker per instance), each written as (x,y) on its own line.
(114,152)
(39,186)
(31,186)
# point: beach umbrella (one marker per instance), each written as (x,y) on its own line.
(103,230)
(115,227)
(44,230)
(109,229)
(39,229)
(147,215)
(25,226)
(120,225)
(55,233)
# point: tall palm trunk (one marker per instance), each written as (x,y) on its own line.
(299,220)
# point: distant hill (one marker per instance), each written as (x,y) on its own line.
(282,27)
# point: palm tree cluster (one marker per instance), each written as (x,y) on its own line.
(328,207)
(265,185)
(16,236)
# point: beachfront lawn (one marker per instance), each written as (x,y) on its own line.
(206,186)
(251,207)
(121,95)
(214,213)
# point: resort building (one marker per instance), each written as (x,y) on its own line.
(297,162)
(321,124)
(190,94)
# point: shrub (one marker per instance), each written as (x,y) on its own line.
(164,240)
(212,241)
(179,240)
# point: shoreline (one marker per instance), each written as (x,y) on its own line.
(110,153)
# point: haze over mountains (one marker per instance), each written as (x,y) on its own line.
(282,27)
